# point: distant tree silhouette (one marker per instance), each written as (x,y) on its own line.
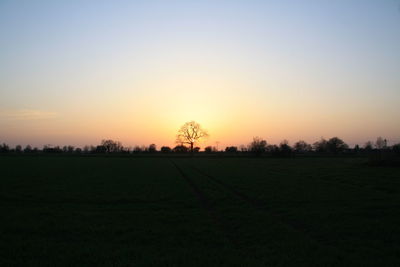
(321,145)
(272,149)
(100,149)
(137,149)
(231,149)
(152,148)
(86,149)
(336,145)
(28,149)
(302,147)
(4,148)
(112,146)
(18,149)
(166,149)
(68,149)
(92,149)
(368,146)
(284,148)
(52,150)
(380,143)
(258,146)
(396,148)
(181,149)
(190,133)
(209,149)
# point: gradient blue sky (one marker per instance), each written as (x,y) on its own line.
(75,72)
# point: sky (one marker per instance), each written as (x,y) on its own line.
(77,72)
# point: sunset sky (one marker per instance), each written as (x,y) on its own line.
(76,72)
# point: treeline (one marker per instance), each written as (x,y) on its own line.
(257,147)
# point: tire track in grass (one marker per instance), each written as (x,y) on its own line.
(295,225)
(222,226)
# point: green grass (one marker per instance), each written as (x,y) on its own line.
(110,211)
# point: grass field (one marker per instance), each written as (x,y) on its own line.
(99,211)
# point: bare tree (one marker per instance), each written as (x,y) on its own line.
(111,146)
(190,133)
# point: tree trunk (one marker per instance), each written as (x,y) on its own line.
(191,147)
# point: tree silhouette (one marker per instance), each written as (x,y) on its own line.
(396,148)
(4,148)
(302,147)
(368,146)
(152,148)
(180,149)
(28,149)
(210,149)
(321,145)
(284,148)
(336,145)
(165,149)
(190,133)
(231,149)
(380,143)
(258,146)
(18,149)
(111,146)
(356,148)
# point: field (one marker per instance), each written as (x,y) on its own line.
(121,211)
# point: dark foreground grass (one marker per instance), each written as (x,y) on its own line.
(98,211)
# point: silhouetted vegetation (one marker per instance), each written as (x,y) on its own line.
(368,146)
(190,133)
(110,146)
(302,147)
(258,146)
(321,145)
(336,145)
(231,149)
(210,149)
(181,149)
(152,148)
(166,149)
(379,153)
(396,148)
